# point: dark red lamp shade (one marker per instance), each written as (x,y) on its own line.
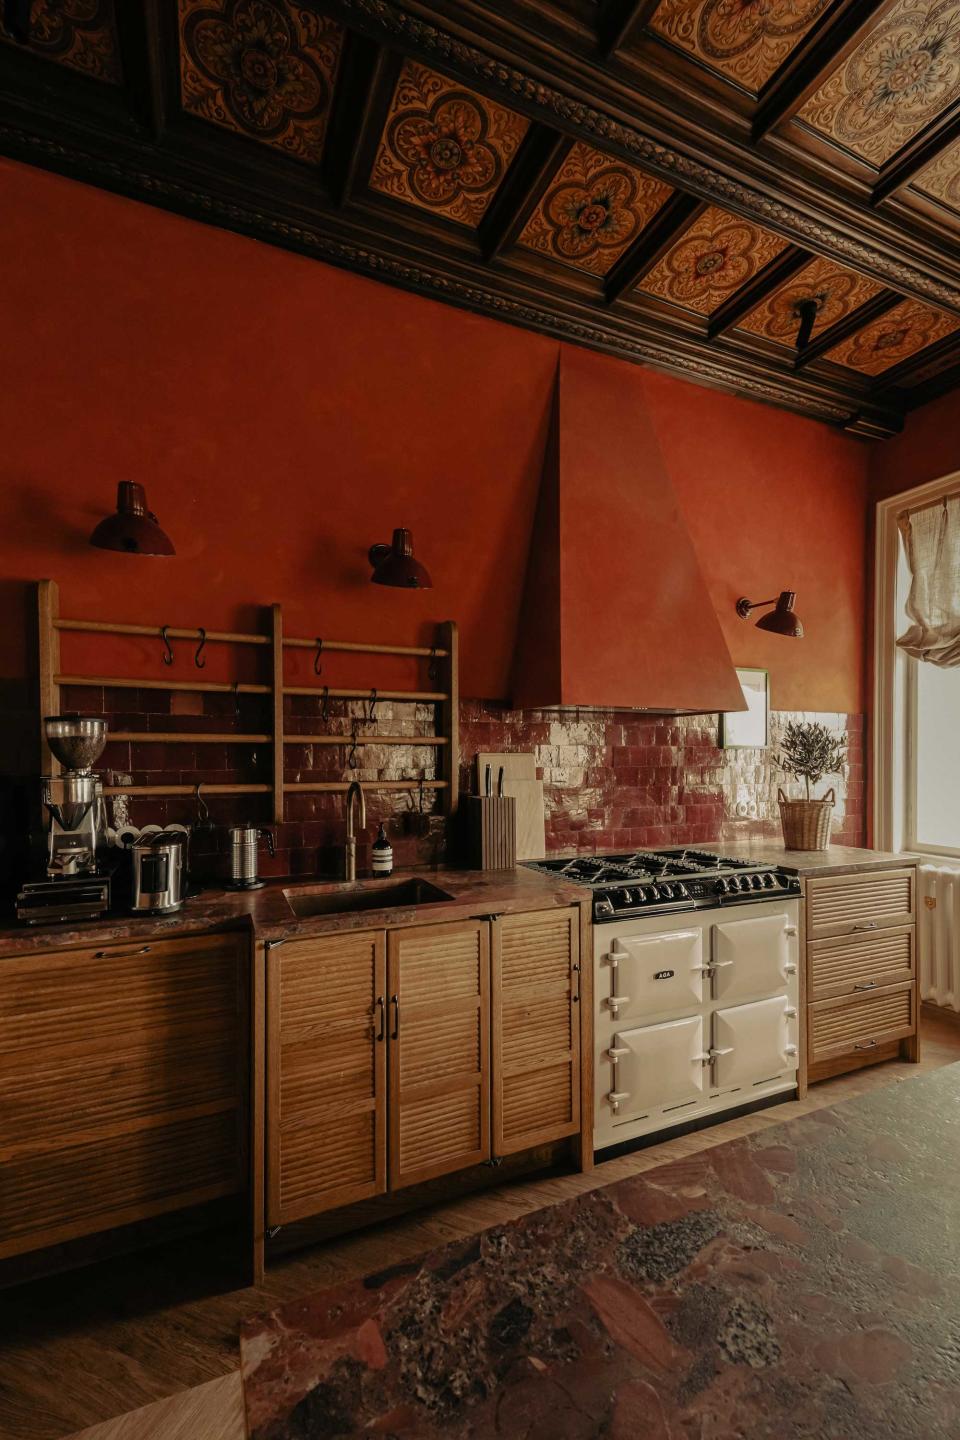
(394,564)
(133,529)
(781,619)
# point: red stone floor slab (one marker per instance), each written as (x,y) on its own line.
(803,1282)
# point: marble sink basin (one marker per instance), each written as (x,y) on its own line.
(307,900)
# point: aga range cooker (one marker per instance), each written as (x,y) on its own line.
(696,989)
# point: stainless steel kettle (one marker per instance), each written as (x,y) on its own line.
(243,849)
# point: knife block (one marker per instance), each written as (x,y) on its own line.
(491,831)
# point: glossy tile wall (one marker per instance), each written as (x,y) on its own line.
(612,779)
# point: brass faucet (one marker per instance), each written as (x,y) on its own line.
(354,793)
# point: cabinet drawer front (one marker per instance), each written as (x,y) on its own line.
(847,1027)
(61,1194)
(857,904)
(851,964)
(82,1001)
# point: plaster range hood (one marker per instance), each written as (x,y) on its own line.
(616,613)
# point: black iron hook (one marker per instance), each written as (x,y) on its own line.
(433,666)
(200,664)
(236,698)
(317,667)
(203,809)
(352,760)
(420,796)
(325,705)
(372,711)
(167,656)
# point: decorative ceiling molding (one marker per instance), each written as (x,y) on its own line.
(729,374)
(388,20)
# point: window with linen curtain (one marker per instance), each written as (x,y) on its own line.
(931,542)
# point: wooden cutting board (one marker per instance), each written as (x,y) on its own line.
(520,781)
(518,765)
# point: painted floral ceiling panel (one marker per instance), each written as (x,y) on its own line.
(942,178)
(262,68)
(837,290)
(78,33)
(714,257)
(903,75)
(444,147)
(745,40)
(593,209)
(906,329)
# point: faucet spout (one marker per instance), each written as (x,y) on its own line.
(356,804)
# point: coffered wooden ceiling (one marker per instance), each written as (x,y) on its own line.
(680,182)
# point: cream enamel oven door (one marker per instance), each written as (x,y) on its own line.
(655,974)
(756,956)
(657,1066)
(754,1042)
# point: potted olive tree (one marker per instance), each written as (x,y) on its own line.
(809,751)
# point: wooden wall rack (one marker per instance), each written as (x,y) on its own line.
(442,658)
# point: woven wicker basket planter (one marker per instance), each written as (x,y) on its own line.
(806,823)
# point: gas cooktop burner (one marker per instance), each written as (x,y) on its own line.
(650,881)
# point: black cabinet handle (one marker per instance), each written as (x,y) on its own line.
(575,997)
(395,1002)
(379,1005)
(120,954)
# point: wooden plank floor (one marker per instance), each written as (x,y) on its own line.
(92,1345)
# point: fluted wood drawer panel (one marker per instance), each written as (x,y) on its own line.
(851,963)
(844,1026)
(81,1003)
(438,982)
(326,1073)
(77,1190)
(855,904)
(58,1100)
(536,1028)
(122,1084)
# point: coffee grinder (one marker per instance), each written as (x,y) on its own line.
(75,887)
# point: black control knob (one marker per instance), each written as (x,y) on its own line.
(666,891)
(756,881)
(733,883)
(768,882)
(626,897)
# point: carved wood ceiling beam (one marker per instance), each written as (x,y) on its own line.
(916,157)
(361,95)
(618,19)
(655,240)
(746,299)
(805,70)
(849,325)
(534,95)
(541,152)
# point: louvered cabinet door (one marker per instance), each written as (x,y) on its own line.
(855,1027)
(123,1076)
(536,1028)
(439,1026)
(326,1073)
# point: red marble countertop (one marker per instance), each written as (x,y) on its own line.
(268,914)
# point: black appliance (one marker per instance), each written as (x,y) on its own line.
(651,882)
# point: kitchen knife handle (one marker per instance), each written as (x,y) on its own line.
(488,780)
(500,783)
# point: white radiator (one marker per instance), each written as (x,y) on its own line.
(939,935)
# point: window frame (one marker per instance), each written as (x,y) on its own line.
(893,749)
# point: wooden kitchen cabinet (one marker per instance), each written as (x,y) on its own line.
(861,970)
(439,1049)
(123,1078)
(326,1073)
(535,1003)
(396,1057)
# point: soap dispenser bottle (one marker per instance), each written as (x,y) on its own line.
(382,854)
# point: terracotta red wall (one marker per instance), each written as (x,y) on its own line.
(283,415)
(928,449)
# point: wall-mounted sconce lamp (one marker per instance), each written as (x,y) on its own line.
(133,529)
(781,620)
(394,564)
